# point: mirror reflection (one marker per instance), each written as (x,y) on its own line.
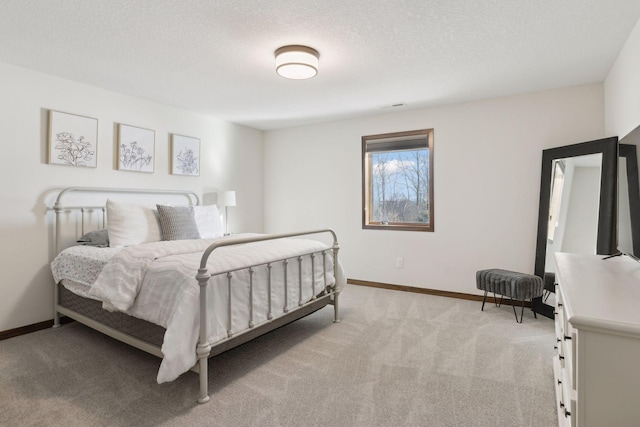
(573,211)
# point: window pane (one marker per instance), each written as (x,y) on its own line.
(400,186)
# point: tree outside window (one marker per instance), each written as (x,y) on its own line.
(398,181)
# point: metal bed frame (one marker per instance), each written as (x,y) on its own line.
(204,349)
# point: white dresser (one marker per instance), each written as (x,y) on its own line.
(597,367)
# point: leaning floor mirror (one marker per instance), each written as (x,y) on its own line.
(577,206)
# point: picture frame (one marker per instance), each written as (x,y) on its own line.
(136,148)
(185,155)
(73,140)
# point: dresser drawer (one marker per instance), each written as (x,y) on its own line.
(557,381)
(558,339)
(568,397)
(565,396)
(569,353)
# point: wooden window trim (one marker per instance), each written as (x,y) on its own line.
(367,198)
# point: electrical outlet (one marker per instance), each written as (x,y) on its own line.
(399,262)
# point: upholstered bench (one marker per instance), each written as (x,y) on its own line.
(514,285)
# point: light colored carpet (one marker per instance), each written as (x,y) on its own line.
(396,359)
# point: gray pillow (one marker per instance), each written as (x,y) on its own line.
(177,222)
(95,238)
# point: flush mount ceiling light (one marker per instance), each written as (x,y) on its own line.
(297,62)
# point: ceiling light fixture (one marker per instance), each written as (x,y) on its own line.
(297,62)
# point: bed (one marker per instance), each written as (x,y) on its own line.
(164,279)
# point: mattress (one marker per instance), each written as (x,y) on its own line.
(141,329)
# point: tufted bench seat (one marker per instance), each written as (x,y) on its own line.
(514,285)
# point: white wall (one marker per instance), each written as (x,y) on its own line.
(622,89)
(487,176)
(231,158)
(581,231)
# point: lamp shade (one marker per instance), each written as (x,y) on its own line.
(226,198)
(297,62)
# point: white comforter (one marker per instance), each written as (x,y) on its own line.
(156,282)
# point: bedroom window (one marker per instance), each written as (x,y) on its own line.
(397,181)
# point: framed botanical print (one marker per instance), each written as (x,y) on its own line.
(136,148)
(73,139)
(185,155)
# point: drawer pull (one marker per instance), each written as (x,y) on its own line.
(567,337)
(559,304)
(567,413)
(559,382)
(555,347)
(561,357)
(558,339)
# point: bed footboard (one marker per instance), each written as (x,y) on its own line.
(328,296)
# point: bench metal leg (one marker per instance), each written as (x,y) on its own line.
(495,300)
(521,311)
(533,307)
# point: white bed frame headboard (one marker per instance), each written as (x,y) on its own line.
(91,192)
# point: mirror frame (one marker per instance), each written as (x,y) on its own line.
(628,151)
(608,147)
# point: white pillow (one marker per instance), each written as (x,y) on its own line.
(208,221)
(131,224)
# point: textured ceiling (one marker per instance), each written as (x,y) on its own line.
(216,56)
